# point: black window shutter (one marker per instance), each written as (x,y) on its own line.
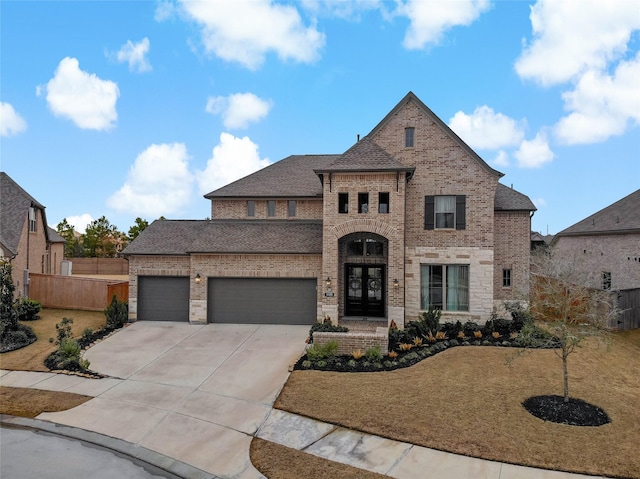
(429,212)
(461,219)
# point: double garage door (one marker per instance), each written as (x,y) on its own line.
(231,300)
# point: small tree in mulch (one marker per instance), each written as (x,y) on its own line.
(563,302)
(13,335)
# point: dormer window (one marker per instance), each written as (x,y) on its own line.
(408,137)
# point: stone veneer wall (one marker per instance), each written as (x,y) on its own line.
(512,251)
(618,254)
(237,209)
(480,263)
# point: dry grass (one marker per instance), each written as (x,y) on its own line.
(280,462)
(31,402)
(469,401)
(31,358)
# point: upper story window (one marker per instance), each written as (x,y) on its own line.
(251,208)
(445,212)
(343,202)
(408,137)
(271,208)
(32,219)
(383,202)
(291,208)
(363,202)
(606,280)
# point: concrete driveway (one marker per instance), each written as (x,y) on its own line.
(194,393)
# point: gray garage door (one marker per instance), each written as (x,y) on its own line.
(163,298)
(262,300)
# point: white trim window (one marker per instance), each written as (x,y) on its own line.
(444,287)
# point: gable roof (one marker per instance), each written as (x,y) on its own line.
(183,237)
(508,199)
(621,217)
(14,210)
(291,177)
(411,97)
(365,155)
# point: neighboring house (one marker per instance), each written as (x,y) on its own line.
(409,217)
(25,239)
(606,245)
(538,240)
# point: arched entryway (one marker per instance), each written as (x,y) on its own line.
(363,275)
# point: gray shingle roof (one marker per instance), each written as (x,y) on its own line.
(508,199)
(182,237)
(623,216)
(365,155)
(291,177)
(14,210)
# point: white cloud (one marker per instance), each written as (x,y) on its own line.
(239,109)
(244,31)
(539,202)
(11,123)
(430,19)
(232,159)
(81,97)
(80,222)
(485,129)
(571,37)
(135,54)
(344,9)
(601,105)
(164,11)
(502,159)
(534,153)
(159,182)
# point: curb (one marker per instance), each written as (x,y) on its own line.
(151,458)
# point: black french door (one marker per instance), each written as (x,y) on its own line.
(364,290)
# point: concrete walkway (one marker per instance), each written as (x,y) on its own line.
(199,394)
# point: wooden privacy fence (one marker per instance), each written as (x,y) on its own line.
(629,306)
(99,265)
(68,292)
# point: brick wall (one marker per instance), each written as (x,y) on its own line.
(349,342)
(512,251)
(32,253)
(593,255)
(237,209)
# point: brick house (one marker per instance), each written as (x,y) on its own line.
(25,239)
(408,217)
(606,245)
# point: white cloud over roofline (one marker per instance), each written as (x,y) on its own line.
(239,109)
(485,129)
(158,183)
(246,31)
(233,158)
(534,153)
(82,97)
(11,123)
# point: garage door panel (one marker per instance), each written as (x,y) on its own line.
(163,298)
(262,300)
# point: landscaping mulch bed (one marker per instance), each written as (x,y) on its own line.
(575,412)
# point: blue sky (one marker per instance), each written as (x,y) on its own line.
(139,108)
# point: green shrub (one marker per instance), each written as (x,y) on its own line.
(519,315)
(63,329)
(317,352)
(117,313)
(373,354)
(67,357)
(87,333)
(429,322)
(28,309)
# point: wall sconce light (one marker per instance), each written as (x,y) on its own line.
(198,278)
(396,283)
(328,282)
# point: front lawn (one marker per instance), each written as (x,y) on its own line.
(31,357)
(32,402)
(468,400)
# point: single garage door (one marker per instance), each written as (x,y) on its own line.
(262,300)
(163,298)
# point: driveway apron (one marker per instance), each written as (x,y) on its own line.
(197,393)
